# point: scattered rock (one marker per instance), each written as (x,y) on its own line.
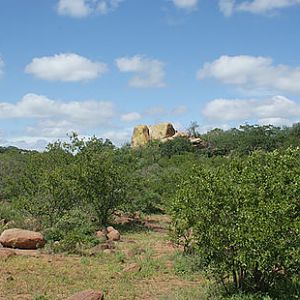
(6,253)
(134,267)
(87,295)
(140,136)
(22,239)
(114,235)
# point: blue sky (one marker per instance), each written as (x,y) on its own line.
(103,66)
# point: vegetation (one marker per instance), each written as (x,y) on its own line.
(234,205)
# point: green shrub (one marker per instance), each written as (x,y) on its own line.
(243,219)
(75,230)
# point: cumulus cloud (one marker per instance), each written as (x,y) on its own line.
(47,119)
(83,8)
(68,67)
(131,117)
(252,72)
(186,4)
(1,67)
(228,7)
(150,72)
(33,106)
(277,109)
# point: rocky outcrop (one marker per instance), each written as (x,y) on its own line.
(87,295)
(163,132)
(140,136)
(22,239)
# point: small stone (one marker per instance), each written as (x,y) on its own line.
(110,229)
(114,235)
(101,234)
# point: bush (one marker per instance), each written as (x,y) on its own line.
(177,146)
(243,219)
(75,230)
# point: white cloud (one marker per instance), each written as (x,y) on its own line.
(83,8)
(273,109)
(1,67)
(68,67)
(46,119)
(150,72)
(186,4)
(227,7)
(74,8)
(84,113)
(264,6)
(252,72)
(131,117)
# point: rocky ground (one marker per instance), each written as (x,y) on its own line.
(142,265)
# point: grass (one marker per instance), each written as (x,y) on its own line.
(55,277)
(161,272)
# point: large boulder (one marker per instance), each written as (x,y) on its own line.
(140,136)
(87,295)
(22,239)
(161,131)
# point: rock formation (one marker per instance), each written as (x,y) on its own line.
(163,132)
(140,136)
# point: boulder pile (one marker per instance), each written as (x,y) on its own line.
(163,132)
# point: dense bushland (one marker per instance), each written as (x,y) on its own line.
(242,219)
(235,204)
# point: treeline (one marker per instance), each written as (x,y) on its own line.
(234,204)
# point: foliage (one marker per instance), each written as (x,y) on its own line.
(242,218)
(177,146)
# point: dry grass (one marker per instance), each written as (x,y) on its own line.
(55,277)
